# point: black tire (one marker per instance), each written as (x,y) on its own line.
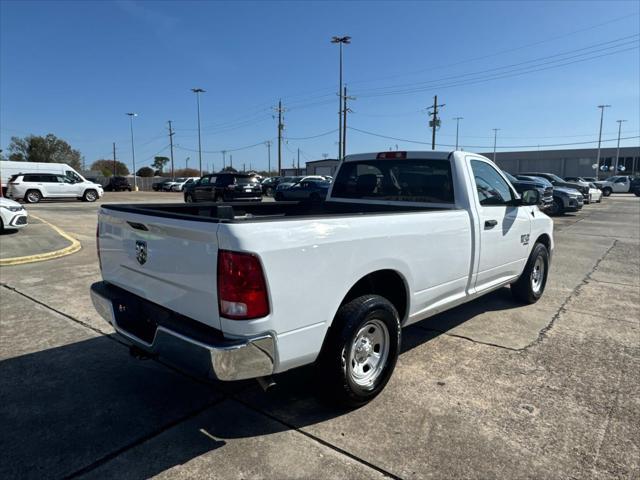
(337,363)
(637,193)
(188,198)
(90,196)
(32,196)
(278,196)
(530,286)
(557,208)
(314,197)
(606,191)
(1,226)
(269,192)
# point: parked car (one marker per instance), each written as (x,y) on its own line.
(269,185)
(288,182)
(117,184)
(181,183)
(224,187)
(556,181)
(12,215)
(564,199)
(256,289)
(580,180)
(9,168)
(159,186)
(589,179)
(615,184)
(635,186)
(33,187)
(595,194)
(312,190)
(545,189)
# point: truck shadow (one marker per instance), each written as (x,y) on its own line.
(89,408)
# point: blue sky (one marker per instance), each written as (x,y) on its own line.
(75,68)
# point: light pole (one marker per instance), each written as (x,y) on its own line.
(198,91)
(495,142)
(268,144)
(457,119)
(601,107)
(133,151)
(615,169)
(340,41)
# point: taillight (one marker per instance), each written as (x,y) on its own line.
(242,291)
(391,155)
(98,245)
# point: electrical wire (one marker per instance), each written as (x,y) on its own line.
(488,146)
(312,136)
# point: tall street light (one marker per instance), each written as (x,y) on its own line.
(457,119)
(615,169)
(133,151)
(341,41)
(495,142)
(601,107)
(198,91)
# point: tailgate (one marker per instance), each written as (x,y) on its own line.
(169,261)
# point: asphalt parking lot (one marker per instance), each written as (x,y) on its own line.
(491,389)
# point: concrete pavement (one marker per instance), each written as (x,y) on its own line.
(490,389)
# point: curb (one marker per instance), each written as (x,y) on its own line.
(74,247)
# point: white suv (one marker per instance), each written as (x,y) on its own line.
(33,187)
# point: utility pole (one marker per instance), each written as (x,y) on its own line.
(340,41)
(615,169)
(495,142)
(133,152)
(243,167)
(457,119)
(268,144)
(114,159)
(346,109)
(231,160)
(601,107)
(171,145)
(198,91)
(224,159)
(186,161)
(280,128)
(434,123)
(298,160)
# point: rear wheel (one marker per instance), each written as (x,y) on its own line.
(188,198)
(90,196)
(530,286)
(33,196)
(360,351)
(279,196)
(606,191)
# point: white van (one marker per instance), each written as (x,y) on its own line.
(9,169)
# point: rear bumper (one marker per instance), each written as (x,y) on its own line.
(221,358)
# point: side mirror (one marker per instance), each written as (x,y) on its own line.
(530,197)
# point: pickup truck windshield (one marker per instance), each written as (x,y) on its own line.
(427,181)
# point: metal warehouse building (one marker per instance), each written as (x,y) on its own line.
(565,163)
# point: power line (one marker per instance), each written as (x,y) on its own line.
(313,136)
(489,146)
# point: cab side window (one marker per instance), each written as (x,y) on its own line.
(204,181)
(492,188)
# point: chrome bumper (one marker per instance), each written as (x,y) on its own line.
(228,360)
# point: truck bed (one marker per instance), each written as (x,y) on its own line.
(242,212)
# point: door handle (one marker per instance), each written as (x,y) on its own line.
(490,223)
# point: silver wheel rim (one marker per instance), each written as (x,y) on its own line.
(537,275)
(368,354)
(33,197)
(91,196)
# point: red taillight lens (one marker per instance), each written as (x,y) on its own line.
(98,245)
(242,291)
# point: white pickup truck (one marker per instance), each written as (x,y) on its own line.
(240,291)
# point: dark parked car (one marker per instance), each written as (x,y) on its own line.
(545,189)
(269,185)
(224,187)
(635,186)
(564,199)
(117,184)
(306,190)
(556,181)
(160,186)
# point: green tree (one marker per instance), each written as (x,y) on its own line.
(145,172)
(106,167)
(187,172)
(48,149)
(159,163)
